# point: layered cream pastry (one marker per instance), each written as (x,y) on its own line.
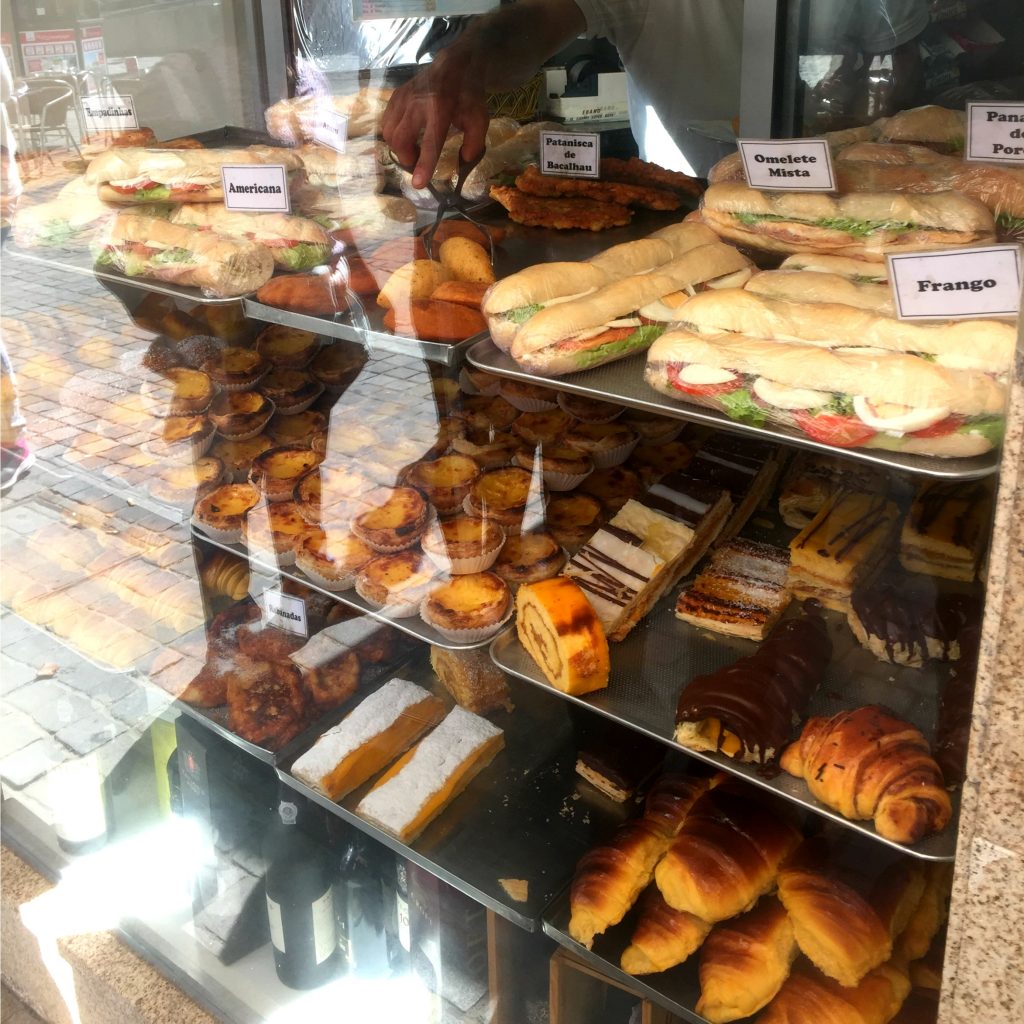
(944,531)
(813,478)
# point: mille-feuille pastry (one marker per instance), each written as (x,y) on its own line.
(529,558)
(445,481)
(179,485)
(295,428)
(747,710)
(331,558)
(843,545)
(286,346)
(330,671)
(370,737)
(907,621)
(501,495)
(487,450)
(561,632)
(240,415)
(608,444)
(704,507)
(468,608)
(589,410)
(868,764)
(393,521)
(338,363)
(396,584)
(178,392)
(473,680)
(528,397)
(421,784)
(291,390)
(618,761)
(542,428)
(277,471)
(572,519)
(236,369)
(612,487)
(463,545)
(237,456)
(742,591)
(662,937)
(945,530)
(660,459)
(220,513)
(270,531)
(266,703)
(488,413)
(814,477)
(628,564)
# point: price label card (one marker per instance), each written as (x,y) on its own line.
(995,131)
(570,154)
(286,612)
(788,165)
(957,284)
(256,188)
(109,113)
(330,130)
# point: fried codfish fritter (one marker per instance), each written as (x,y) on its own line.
(635,171)
(266,702)
(537,184)
(562,214)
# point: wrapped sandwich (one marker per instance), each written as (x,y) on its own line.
(68,222)
(357,170)
(308,117)
(358,220)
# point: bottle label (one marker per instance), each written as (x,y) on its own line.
(325,933)
(404,936)
(276,926)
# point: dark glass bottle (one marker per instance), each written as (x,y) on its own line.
(360,903)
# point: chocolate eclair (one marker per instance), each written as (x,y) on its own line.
(747,710)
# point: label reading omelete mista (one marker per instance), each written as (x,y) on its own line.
(788,165)
(957,284)
(286,612)
(570,154)
(109,113)
(261,188)
(995,131)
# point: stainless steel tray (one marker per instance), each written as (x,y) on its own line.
(623,382)
(522,818)
(650,667)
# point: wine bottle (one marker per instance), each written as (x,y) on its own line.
(300,896)
(399,938)
(360,905)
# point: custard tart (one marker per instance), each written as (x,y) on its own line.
(572,519)
(291,390)
(237,456)
(296,428)
(277,470)
(271,530)
(286,346)
(445,481)
(563,468)
(501,495)
(332,495)
(396,584)
(529,558)
(653,461)
(467,609)
(485,413)
(191,433)
(527,397)
(239,415)
(235,369)
(613,487)
(394,521)
(589,410)
(332,558)
(463,544)
(338,363)
(544,427)
(487,450)
(652,428)
(179,485)
(220,513)
(179,392)
(608,444)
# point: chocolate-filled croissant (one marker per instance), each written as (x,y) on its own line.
(748,709)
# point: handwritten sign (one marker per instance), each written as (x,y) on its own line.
(957,284)
(788,165)
(260,188)
(285,612)
(995,131)
(570,154)
(109,113)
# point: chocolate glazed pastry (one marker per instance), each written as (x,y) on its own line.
(953,729)
(749,708)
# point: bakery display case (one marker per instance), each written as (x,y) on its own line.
(558,587)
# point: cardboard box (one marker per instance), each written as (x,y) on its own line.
(608,105)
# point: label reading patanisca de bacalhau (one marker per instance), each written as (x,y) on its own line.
(261,188)
(788,165)
(109,113)
(570,154)
(957,284)
(286,612)
(995,131)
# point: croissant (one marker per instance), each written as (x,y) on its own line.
(867,764)
(663,937)
(745,962)
(727,853)
(808,997)
(928,916)
(609,878)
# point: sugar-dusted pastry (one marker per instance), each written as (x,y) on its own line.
(445,481)
(331,558)
(220,513)
(472,678)
(945,530)
(561,632)
(467,608)
(463,544)
(572,518)
(277,470)
(662,937)
(271,530)
(528,558)
(842,545)
(421,784)
(396,584)
(501,495)
(814,477)
(330,671)
(370,737)
(742,591)
(747,710)
(234,368)
(240,415)
(291,390)
(394,521)
(286,346)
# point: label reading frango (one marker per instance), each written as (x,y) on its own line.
(109,113)
(570,154)
(995,131)
(957,284)
(256,187)
(286,612)
(788,165)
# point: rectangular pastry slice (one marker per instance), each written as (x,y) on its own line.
(373,735)
(742,591)
(421,784)
(618,761)
(473,680)
(813,478)
(841,547)
(945,530)
(703,507)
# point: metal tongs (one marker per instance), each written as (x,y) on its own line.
(449,200)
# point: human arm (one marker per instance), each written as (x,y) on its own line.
(499,50)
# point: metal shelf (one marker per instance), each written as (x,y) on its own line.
(522,818)
(623,382)
(651,665)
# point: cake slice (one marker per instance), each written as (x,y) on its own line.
(813,478)
(944,532)
(742,591)
(374,734)
(421,784)
(842,547)
(704,507)
(473,680)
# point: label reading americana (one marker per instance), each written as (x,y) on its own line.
(570,154)
(995,131)
(256,187)
(957,284)
(285,612)
(109,113)
(788,165)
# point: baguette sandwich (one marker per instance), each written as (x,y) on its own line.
(128,176)
(295,242)
(816,286)
(357,219)
(151,247)
(623,317)
(331,171)
(858,271)
(866,225)
(68,222)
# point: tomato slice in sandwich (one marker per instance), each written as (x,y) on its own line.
(596,341)
(942,428)
(830,428)
(721,388)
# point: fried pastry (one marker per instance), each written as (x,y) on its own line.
(266,705)
(330,671)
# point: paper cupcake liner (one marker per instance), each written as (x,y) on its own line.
(467,387)
(529,404)
(466,636)
(664,437)
(280,558)
(239,475)
(563,404)
(614,456)
(294,410)
(465,566)
(506,520)
(186,448)
(276,497)
(396,610)
(248,385)
(564,481)
(293,362)
(249,434)
(223,536)
(384,549)
(335,586)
